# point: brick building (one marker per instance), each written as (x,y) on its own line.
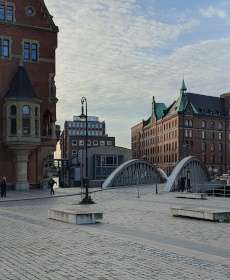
(194,124)
(28,41)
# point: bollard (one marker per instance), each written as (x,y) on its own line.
(156,189)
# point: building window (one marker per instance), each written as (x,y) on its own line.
(95,143)
(89,143)
(220,147)
(74,143)
(36,127)
(102,143)
(26,120)
(190,133)
(220,125)
(36,112)
(30,51)
(212,147)
(26,126)
(186,133)
(13,120)
(220,135)
(186,123)
(13,110)
(109,143)
(203,134)
(190,123)
(74,152)
(6,12)
(203,124)
(30,11)
(81,142)
(4,48)
(26,110)
(203,147)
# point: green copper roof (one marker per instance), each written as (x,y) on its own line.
(160,110)
(182,103)
(183,86)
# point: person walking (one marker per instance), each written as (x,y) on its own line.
(3,187)
(51,184)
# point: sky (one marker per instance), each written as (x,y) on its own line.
(121,53)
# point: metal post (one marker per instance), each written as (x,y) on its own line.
(87,199)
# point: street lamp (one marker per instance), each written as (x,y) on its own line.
(87,199)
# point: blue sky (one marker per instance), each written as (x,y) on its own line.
(119,53)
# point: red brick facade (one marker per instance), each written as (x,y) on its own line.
(36,27)
(201,128)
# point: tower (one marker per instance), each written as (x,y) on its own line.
(28,42)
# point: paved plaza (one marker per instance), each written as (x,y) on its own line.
(138,239)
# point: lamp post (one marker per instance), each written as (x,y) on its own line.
(84,116)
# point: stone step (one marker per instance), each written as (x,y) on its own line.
(75,215)
(192,195)
(215,215)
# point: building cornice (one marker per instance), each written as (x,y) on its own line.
(37,28)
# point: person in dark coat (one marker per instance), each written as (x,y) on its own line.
(3,187)
(183,179)
(179,184)
(51,184)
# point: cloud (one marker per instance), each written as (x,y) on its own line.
(211,12)
(110,53)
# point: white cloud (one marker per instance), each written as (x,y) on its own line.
(108,54)
(211,11)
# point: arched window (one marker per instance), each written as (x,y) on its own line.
(190,123)
(220,125)
(13,110)
(13,120)
(203,124)
(36,111)
(26,120)
(186,123)
(26,110)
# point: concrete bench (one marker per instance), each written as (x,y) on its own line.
(192,195)
(75,215)
(215,215)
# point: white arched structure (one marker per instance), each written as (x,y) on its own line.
(135,172)
(190,167)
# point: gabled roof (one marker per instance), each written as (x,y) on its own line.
(50,18)
(208,105)
(160,109)
(21,86)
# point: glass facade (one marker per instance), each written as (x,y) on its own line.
(105,164)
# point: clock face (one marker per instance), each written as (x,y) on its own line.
(30,11)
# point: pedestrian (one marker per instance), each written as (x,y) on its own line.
(3,187)
(188,185)
(183,184)
(51,184)
(179,184)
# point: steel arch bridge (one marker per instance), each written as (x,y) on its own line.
(135,172)
(198,174)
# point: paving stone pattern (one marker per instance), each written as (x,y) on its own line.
(33,247)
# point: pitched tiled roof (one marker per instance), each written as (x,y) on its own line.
(208,105)
(21,86)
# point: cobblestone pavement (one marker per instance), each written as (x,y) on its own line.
(138,239)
